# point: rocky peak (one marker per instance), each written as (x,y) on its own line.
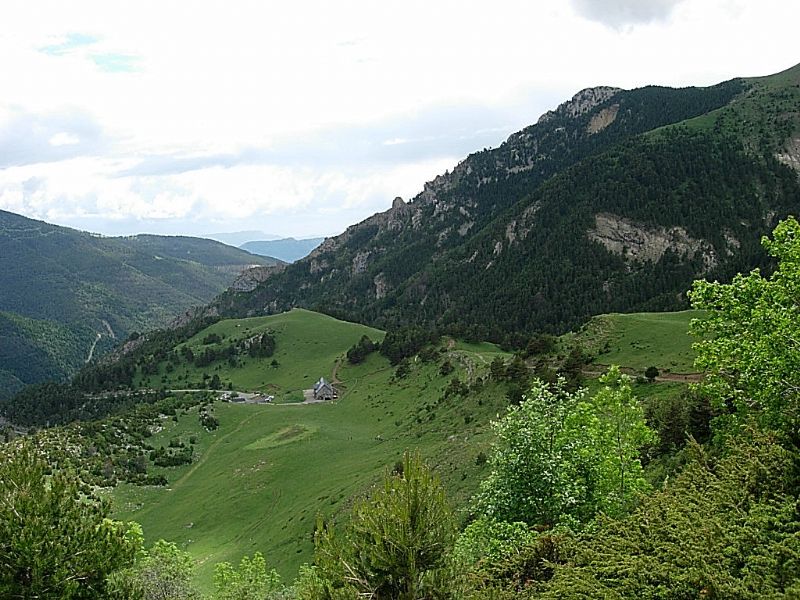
(250,278)
(581,103)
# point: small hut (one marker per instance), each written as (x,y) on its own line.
(324,390)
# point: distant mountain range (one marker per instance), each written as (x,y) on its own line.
(237,238)
(265,244)
(288,249)
(68,295)
(613,202)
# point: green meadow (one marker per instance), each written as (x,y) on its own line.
(308,345)
(641,340)
(260,481)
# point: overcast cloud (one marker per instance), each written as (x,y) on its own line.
(620,13)
(302,118)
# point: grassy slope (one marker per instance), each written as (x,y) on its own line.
(260,480)
(640,340)
(308,345)
(767,114)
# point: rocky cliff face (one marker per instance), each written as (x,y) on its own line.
(641,243)
(581,103)
(791,154)
(250,278)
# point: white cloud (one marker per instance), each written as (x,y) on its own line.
(64,138)
(618,13)
(165,114)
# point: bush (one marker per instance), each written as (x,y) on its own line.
(396,544)
(54,542)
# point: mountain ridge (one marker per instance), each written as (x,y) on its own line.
(410,265)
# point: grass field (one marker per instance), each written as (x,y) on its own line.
(641,340)
(260,480)
(307,346)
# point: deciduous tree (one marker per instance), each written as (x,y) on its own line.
(749,338)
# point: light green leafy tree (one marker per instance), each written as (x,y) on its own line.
(563,457)
(397,543)
(309,584)
(252,580)
(533,476)
(618,431)
(749,339)
(165,572)
(54,541)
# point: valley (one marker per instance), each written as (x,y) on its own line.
(68,296)
(262,478)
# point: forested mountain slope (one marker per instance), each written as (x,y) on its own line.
(615,201)
(65,295)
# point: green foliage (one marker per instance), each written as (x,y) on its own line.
(406,342)
(162,573)
(487,541)
(211,338)
(250,581)
(517,371)
(724,528)
(678,417)
(541,343)
(396,543)
(749,339)
(34,351)
(54,542)
(497,368)
(533,474)
(560,456)
(619,434)
(358,352)
(262,346)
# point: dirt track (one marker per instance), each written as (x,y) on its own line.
(597,370)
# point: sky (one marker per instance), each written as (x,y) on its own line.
(301,118)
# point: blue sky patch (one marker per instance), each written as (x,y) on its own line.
(116,63)
(72,41)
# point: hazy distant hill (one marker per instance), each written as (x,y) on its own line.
(287,249)
(613,202)
(237,238)
(67,294)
